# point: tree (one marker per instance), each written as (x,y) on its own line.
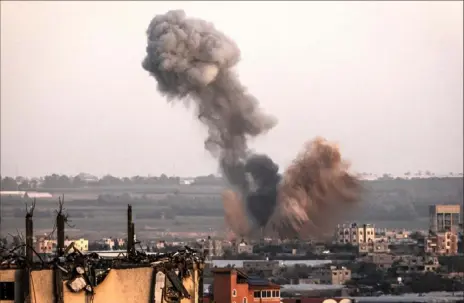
(56,181)
(78,182)
(9,183)
(24,185)
(109,180)
(418,236)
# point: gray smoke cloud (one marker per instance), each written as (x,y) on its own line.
(191,60)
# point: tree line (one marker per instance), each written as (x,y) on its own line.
(83,180)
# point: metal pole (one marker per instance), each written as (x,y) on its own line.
(60,233)
(29,236)
(130,235)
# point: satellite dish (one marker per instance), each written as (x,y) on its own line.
(329,301)
(345,301)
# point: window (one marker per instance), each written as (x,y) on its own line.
(269,294)
(263,294)
(257,294)
(234,293)
(278,293)
(245,300)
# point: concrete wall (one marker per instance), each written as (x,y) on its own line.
(191,284)
(41,286)
(12,275)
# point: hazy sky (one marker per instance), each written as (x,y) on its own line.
(383,79)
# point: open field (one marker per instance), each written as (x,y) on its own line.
(101,211)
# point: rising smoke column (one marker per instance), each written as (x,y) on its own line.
(192,60)
(262,194)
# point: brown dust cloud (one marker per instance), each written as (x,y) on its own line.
(194,62)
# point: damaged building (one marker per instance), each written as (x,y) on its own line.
(73,276)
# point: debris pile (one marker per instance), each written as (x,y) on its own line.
(82,272)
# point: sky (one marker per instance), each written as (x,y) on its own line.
(383,79)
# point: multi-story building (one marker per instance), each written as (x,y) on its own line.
(413,264)
(81,244)
(445,218)
(355,234)
(242,248)
(332,275)
(231,285)
(108,242)
(445,243)
(213,248)
(374,247)
(45,245)
(381,260)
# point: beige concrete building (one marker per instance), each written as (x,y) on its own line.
(332,275)
(415,264)
(242,248)
(81,244)
(374,247)
(443,244)
(142,284)
(445,218)
(355,234)
(381,260)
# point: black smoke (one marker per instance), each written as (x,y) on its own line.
(262,191)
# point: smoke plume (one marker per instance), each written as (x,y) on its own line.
(193,61)
(315,190)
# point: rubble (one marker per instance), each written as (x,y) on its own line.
(83,272)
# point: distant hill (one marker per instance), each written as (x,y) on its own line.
(400,199)
(386,201)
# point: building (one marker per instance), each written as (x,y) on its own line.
(82,244)
(108,242)
(261,267)
(443,244)
(234,286)
(381,260)
(445,217)
(387,235)
(134,283)
(242,248)
(415,264)
(374,247)
(213,248)
(332,275)
(45,246)
(355,234)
